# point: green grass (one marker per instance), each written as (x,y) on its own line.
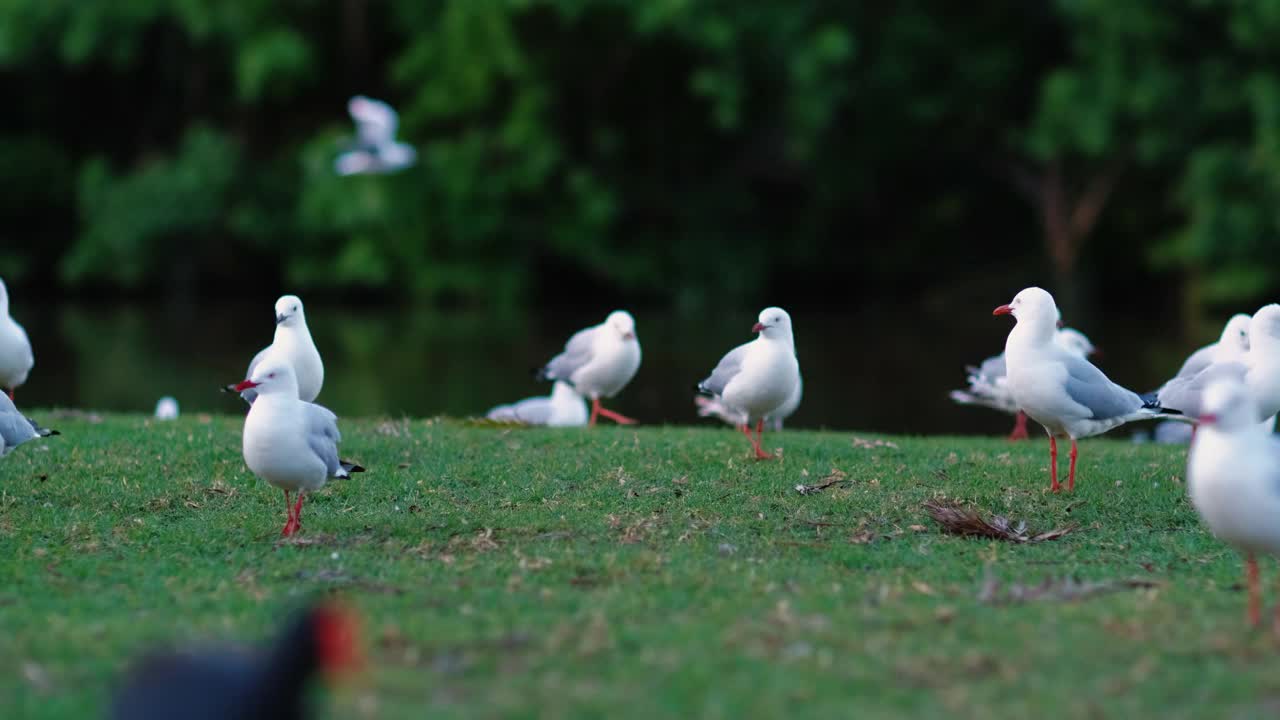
(630,574)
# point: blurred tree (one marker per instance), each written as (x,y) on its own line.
(695,151)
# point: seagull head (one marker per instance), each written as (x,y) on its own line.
(1236,332)
(1074,342)
(270,378)
(773,323)
(289,311)
(1228,406)
(1264,327)
(1033,306)
(621,322)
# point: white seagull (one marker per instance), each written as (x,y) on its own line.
(599,362)
(16,358)
(755,380)
(1233,477)
(292,344)
(288,442)
(16,428)
(1258,369)
(1066,394)
(1230,347)
(167,408)
(376,150)
(563,408)
(989,387)
(708,407)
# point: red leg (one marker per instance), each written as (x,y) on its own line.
(620,419)
(1053,464)
(1255,592)
(760,453)
(1071,473)
(595,410)
(1019,427)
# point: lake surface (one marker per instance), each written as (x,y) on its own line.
(885,368)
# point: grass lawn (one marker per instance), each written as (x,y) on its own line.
(633,573)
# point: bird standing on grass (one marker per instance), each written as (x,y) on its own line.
(16,358)
(756,379)
(989,385)
(225,685)
(1066,394)
(292,344)
(290,443)
(1233,477)
(708,407)
(599,362)
(16,428)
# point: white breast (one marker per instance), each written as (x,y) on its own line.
(16,358)
(1235,491)
(614,363)
(766,381)
(275,446)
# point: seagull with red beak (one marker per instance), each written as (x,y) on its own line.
(1233,477)
(1065,393)
(756,380)
(290,443)
(599,362)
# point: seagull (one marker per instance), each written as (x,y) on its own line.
(290,443)
(376,151)
(1066,394)
(16,358)
(756,379)
(15,428)
(599,362)
(988,385)
(221,683)
(1233,477)
(1258,369)
(708,407)
(1231,347)
(563,408)
(166,408)
(292,344)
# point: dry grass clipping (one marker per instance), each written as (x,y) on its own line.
(959,520)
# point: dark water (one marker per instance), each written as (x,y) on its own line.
(885,368)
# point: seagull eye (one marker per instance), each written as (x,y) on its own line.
(271,375)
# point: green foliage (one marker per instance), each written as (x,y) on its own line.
(627,142)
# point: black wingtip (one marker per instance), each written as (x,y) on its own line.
(229,389)
(46,432)
(1150,401)
(350,466)
(541,374)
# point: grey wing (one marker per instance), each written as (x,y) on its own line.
(577,352)
(1184,393)
(250,395)
(1088,386)
(729,366)
(16,429)
(323,437)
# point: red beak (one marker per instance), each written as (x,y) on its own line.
(1208,419)
(241,387)
(758,327)
(1002,310)
(628,336)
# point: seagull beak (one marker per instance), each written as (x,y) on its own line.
(1002,310)
(1096,352)
(241,387)
(758,327)
(281,318)
(1061,325)
(1208,419)
(628,336)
